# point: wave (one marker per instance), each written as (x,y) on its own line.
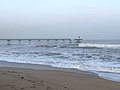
(109,76)
(91,45)
(65,62)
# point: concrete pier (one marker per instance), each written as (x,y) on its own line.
(46,40)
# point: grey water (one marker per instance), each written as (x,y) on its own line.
(99,56)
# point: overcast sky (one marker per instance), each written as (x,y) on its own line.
(92,19)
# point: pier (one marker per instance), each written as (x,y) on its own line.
(9,41)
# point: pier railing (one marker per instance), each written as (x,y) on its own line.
(9,41)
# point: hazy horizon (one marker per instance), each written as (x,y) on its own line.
(90,19)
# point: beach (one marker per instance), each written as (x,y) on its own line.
(59,45)
(15,76)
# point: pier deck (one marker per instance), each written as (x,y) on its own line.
(57,39)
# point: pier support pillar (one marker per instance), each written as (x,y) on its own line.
(70,41)
(39,41)
(48,42)
(29,42)
(63,41)
(56,41)
(19,42)
(8,42)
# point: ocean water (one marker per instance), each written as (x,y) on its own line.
(100,57)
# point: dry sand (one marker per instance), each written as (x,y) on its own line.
(29,79)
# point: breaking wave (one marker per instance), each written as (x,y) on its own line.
(90,45)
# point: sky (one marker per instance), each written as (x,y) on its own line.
(90,19)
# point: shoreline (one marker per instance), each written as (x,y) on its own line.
(42,67)
(48,67)
(16,76)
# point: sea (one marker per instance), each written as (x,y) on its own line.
(101,57)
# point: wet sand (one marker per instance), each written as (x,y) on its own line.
(31,79)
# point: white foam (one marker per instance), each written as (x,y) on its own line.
(93,45)
(110,76)
(92,65)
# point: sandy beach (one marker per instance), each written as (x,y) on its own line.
(52,79)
